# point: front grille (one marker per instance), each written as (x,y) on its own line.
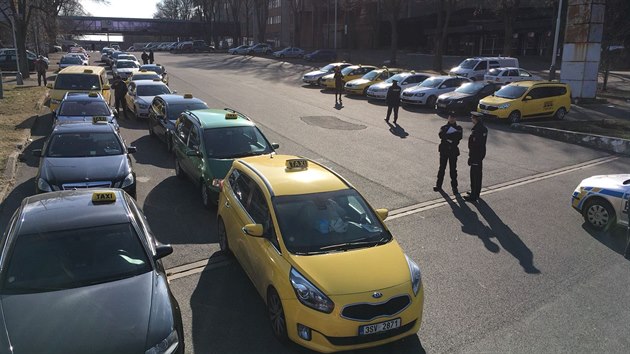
(407,94)
(368,312)
(370,337)
(488,108)
(83,185)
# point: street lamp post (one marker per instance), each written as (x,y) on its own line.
(335,38)
(552,69)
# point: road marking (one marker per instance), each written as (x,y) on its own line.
(436,203)
(223,261)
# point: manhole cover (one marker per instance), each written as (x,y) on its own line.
(330,122)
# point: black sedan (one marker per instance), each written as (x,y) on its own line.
(321,55)
(85,155)
(466,97)
(164,111)
(82,273)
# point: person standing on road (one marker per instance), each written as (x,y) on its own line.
(151,56)
(450,134)
(41,67)
(393,100)
(338,76)
(145,57)
(476,154)
(120,91)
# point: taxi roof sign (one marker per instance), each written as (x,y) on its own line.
(188,95)
(88,71)
(296,164)
(231,115)
(92,94)
(103,197)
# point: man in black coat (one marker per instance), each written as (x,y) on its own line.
(120,91)
(450,134)
(151,56)
(393,100)
(476,154)
(338,76)
(145,58)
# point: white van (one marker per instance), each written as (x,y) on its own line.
(476,68)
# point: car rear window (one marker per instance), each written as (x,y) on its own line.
(77,82)
(83,145)
(84,108)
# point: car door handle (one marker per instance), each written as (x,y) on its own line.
(227,204)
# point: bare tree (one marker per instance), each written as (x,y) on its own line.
(248,7)
(235,12)
(296,7)
(174,9)
(445,7)
(262,13)
(20,13)
(509,11)
(392,9)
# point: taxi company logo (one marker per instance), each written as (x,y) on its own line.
(377,295)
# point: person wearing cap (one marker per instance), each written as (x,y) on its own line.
(120,90)
(450,134)
(393,100)
(338,76)
(476,154)
(144,57)
(41,67)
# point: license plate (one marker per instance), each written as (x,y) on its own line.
(442,105)
(484,111)
(379,327)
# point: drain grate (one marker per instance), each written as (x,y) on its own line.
(330,122)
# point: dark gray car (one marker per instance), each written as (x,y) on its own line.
(81,272)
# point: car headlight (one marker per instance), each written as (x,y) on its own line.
(42,185)
(504,106)
(166,346)
(416,278)
(127,181)
(420,94)
(308,294)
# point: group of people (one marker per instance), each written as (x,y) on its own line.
(147,58)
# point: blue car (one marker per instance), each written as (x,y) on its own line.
(84,107)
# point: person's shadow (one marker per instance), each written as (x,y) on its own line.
(338,106)
(397,130)
(507,238)
(471,224)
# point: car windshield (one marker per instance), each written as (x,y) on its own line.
(232,142)
(470,87)
(371,75)
(348,70)
(494,72)
(174,110)
(328,222)
(126,64)
(152,90)
(511,91)
(74,258)
(84,145)
(468,64)
(397,77)
(127,57)
(154,68)
(77,82)
(84,108)
(431,82)
(145,77)
(71,60)
(328,67)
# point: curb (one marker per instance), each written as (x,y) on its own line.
(9,175)
(606,143)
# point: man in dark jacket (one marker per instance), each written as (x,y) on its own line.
(393,100)
(338,76)
(145,58)
(450,134)
(476,154)
(120,91)
(151,56)
(41,67)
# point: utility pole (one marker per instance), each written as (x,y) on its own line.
(552,69)
(335,38)
(18,74)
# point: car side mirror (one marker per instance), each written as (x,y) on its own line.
(106,87)
(255,230)
(382,214)
(37,152)
(275,145)
(132,149)
(527,98)
(162,251)
(49,85)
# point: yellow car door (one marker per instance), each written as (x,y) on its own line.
(536,103)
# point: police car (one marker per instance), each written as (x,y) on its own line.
(603,200)
(82,270)
(85,155)
(84,107)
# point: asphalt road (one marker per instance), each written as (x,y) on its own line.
(517,272)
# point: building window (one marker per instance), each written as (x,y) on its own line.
(273,4)
(273,20)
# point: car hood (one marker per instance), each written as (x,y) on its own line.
(59,170)
(109,318)
(359,82)
(417,89)
(82,118)
(316,72)
(219,167)
(145,99)
(454,96)
(126,70)
(355,271)
(381,85)
(495,101)
(608,182)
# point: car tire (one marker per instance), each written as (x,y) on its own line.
(431,102)
(178,170)
(275,312)
(365,91)
(224,245)
(598,214)
(560,114)
(514,117)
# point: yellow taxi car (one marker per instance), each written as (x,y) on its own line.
(332,275)
(528,99)
(144,75)
(78,78)
(360,86)
(349,73)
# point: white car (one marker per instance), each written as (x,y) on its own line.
(129,57)
(140,94)
(428,91)
(312,77)
(289,52)
(603,200)
(509,74)
(124,68)
(405,80)
(242,49)
(82,56)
